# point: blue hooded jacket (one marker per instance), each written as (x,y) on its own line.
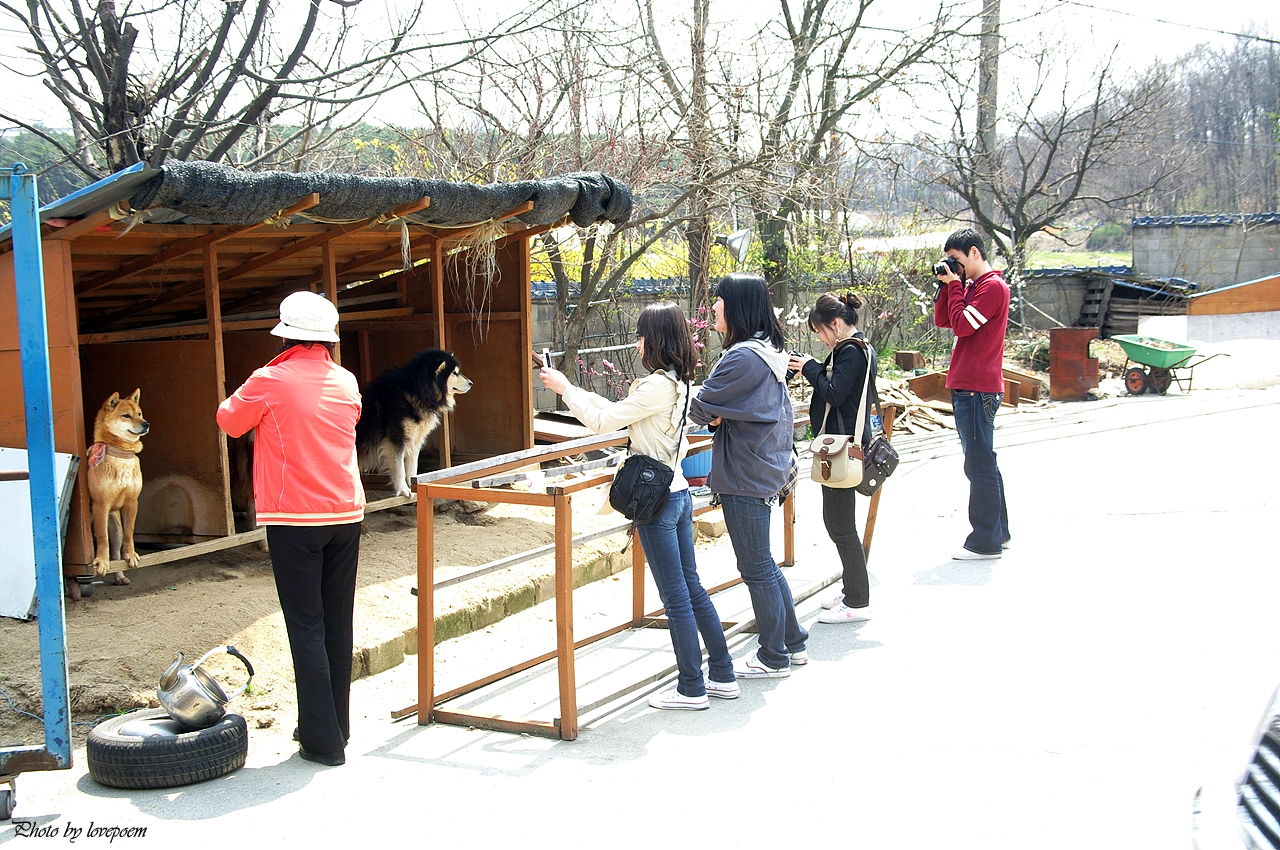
(751,453)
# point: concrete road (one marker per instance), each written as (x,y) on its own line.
(1072,694)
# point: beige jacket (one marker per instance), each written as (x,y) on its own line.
(652,412)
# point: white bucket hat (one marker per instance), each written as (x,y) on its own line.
(307,316)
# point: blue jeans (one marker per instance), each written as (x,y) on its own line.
(668,546)
(779,630)
(975,414)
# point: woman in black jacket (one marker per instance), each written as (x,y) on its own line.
(838,383)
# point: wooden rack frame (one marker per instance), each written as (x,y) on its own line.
(455,484)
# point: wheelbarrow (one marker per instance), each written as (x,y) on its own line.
(1159,362)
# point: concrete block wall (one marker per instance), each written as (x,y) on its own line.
(1213,255)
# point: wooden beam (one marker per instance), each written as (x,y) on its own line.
(400,212)
(213,308)
(451,235)
(329,282)
(89,222)
(187,332)
(186,246)
(321,239)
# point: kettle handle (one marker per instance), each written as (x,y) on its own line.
(230,650)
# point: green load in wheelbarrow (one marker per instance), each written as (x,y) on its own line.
(1162,360)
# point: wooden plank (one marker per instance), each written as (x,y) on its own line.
(102,218)
(497,723)
(478,494)
(454,235)
(1262,296)
(188,331)
(516,460)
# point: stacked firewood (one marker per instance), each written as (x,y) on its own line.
(915,415)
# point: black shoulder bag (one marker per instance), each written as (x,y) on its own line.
(879,458)
(642,486)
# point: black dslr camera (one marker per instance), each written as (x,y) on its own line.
(956,267)
(791,373)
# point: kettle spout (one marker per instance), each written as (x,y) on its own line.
(170,677)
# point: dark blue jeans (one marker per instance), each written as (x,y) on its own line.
(975,414)
(779,630)
(668,546)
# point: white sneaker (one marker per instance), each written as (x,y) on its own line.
(800,658)
(831,603)
(1008,544)
(970,555)
(723,690)
(845,614)
(752,667)
(676,701)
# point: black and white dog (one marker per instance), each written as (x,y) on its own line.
(401,407)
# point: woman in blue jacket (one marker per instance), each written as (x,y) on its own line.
(745,399)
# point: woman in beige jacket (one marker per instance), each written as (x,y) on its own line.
(654,415)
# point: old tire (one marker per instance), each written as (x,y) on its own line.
(146,749)
(8,801)
(1160,379)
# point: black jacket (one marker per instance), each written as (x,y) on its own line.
(843,391)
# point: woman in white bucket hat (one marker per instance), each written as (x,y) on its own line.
(307,490)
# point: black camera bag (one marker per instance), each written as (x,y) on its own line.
(641,489)
(642,486)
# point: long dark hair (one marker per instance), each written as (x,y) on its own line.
(286,344)
(668,343)
(748,310)
(831,307)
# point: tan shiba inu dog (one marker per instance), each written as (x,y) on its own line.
(115,480)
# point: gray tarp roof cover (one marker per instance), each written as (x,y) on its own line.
(223,195)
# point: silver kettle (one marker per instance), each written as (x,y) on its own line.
(192,697)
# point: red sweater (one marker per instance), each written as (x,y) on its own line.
(305,408)
(978,314)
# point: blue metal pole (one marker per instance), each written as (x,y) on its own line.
(34,342)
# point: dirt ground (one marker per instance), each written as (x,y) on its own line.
(121,639)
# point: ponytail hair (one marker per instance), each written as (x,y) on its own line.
(831,307)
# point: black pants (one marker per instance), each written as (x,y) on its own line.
(315,570)
(842,526)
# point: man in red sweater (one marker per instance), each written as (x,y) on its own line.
(973,300)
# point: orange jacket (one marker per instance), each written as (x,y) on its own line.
(305,409)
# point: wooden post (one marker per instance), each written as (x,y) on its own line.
(213,311)
(436,277)
(564,616)
(426,605)
(889,412)
(329,277)
(637,581)
(789,530)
